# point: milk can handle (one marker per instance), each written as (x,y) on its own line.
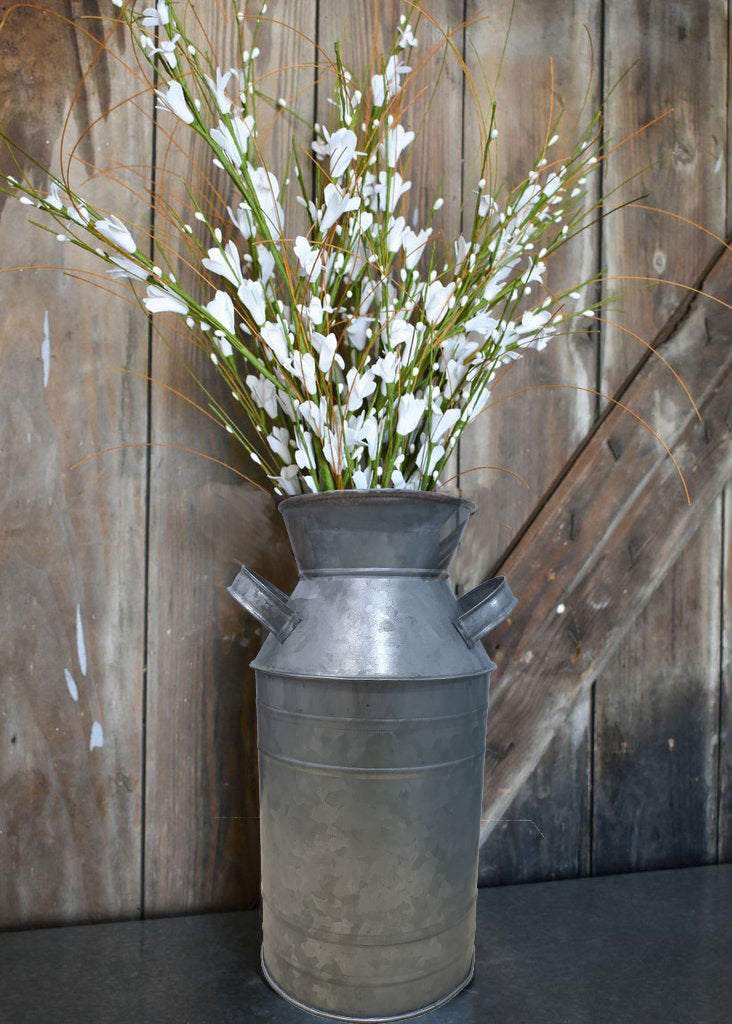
(265,602)
(483,608)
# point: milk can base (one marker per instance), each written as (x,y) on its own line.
(366,1020)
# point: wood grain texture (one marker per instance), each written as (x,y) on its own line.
(597,550)
(534,433)
(656,731)
(675,53)
(724,825)
(543,834)
(72,540)
(201,810)
(657,706)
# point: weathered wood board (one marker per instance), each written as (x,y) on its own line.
(724,753)
(71,540)
(666,677)
(533,433)
(201,809)
(163,818)
(657,707)
(599,548)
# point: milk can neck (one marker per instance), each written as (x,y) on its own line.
(413,533)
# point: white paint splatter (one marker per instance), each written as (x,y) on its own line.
(718,164)
(71,685)
(46,350)
(561,609)
(80,648)
(97,736)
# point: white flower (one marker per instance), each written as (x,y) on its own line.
(386,367)
(53,198)
(167,49)
(114,230)
(411,410)
(127,268)
(333,449)
(79,214)
(413,245)
(242,219)
(275,338)
(533,320)
(482,323)
(251,294)
(395,234)
(303,365)
(267,189)
(218,89)
(342,149)
(316,310)
(157,15)
(160,299)
(336,204)
(221,309)
(535,272)
(234,138)
(371,432)
(316,416)
(304,453)
(395,189)
(378,89)
(175,101)
(362,478)
(326,347)
(397,332)
(393,72)
(428,457)
(264,394)
(436,300)
(311,264)
(356,331)
(397,140)
(476,404)
(443,424)
(279,442)
(358,388)
(226,263)
(288,480)
(461,251)
(552,185)
(486,205)
(406,37)
(458,347)
(266,262)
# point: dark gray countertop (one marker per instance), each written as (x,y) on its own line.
(645,948)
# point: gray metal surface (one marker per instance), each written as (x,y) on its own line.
(651,948)
(371,718)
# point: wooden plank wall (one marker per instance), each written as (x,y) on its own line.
(112,576)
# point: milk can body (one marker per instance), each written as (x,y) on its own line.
(372,695)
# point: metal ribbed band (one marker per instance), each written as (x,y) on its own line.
(366,1020)
(365,773)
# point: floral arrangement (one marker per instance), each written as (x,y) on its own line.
(359,351)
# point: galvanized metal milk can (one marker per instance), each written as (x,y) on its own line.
(372,693)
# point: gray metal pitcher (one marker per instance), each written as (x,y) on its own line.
(372,692)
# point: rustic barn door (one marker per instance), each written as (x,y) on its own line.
(128,778)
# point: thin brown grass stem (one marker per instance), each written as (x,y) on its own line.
(609,398)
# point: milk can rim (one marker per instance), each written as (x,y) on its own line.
(372,496)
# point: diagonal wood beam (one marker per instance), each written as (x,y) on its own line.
(608,533)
